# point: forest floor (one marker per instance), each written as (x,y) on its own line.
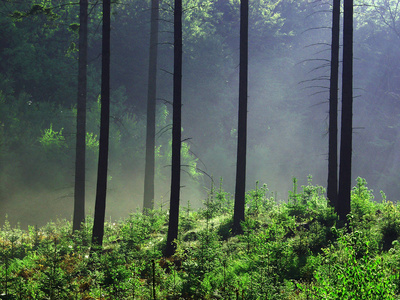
(288,250)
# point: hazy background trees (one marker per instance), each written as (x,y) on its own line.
(80,150)
(148,197)
(287,114)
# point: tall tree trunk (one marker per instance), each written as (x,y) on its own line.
(333,107)
(343,206)
(100,207)
(79,193)
(240,190)
(148,198)
(176,133)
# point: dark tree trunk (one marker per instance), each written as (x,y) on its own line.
(333,107)
(238,216)
(343,205)
(148,198)
(176,133)
(100,207)
(79,193)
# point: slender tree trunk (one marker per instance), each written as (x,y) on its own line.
(100,207)
(343,206)
(176,133)
(79,193)
(238,216)
(148,198)
(333,107)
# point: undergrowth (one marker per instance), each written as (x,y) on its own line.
(288,250)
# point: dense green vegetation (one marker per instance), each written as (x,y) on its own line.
(290,250)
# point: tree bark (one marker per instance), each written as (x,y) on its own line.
(79,192)
(148,198)
(343,206)
(240,189)
(332,191)
(176,133)
(101,191)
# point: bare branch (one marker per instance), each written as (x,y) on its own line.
(168,72)
(164,130)
(164,100)
(313,59)
(317,28)
(320,78)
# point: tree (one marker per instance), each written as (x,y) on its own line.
(101,189)
(333,106)
(343,205)
(238,215)
(148,198)
(176,133)
(38,27)
(79,193)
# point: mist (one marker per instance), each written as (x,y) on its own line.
(287,111)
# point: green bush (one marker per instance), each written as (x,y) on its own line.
(343,276)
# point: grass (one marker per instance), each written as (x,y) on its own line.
(290,250)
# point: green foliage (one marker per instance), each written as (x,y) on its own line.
(309,204)
(257,201)
(52,140)
(279,256)
(389,224)
(25,126)
(188,160)
(218,202)
(34,56)
(346,277)
(262,15)
(362,204)
(92,142)
(199,262)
